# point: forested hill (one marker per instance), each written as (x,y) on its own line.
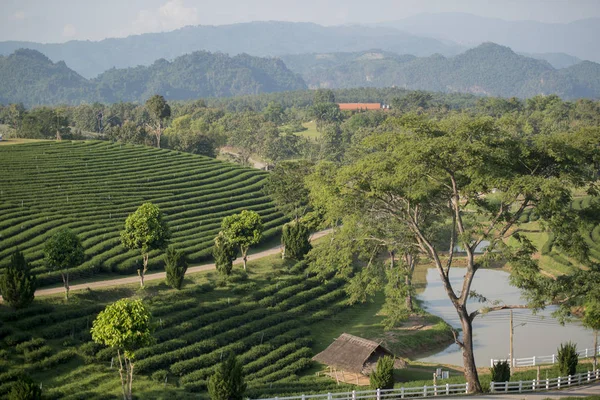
(268,38)
(29,77)
(488,69)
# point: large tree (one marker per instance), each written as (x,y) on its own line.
(124,326)
(62,252)
(480,180)
(159,111)
(145,230)
(16,283)
(242,230)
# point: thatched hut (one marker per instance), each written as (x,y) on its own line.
(355,355)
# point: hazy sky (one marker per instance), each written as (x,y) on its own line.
(62,20)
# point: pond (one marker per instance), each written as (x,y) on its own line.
(535,335)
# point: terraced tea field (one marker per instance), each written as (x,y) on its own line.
(91,187)
(264,318)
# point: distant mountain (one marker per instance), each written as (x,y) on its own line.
(255,38)
(488,69)
(29,77)
(578,38)
(557,60)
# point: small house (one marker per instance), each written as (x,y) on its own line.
(352,358)
(360,106)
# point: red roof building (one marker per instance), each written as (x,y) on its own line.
(360,106)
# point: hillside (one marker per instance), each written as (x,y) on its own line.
(488,69)
(255,38)
(91,187)
(29,77)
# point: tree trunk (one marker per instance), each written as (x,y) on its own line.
(142,272)
(283,252)
(470,369)
(391,260)
(123,383)
(130,380)
(65,278)
(244,252)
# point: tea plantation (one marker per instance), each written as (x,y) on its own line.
(264,318)
(91,187)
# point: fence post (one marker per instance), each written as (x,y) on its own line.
(378,394)
(579,379)
(492,363)
(520,386)
(402,392)
(329,396)
(588,376)
(425,391)
(506,386)
(303,397)
(447,389)
(558,383)
(547,383)
(354,395)
(569,380)
(533,385)
(491,387)
(467,387)
(586,353)
(553,359)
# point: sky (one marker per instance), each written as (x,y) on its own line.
(51,21)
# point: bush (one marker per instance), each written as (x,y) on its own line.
(500,372)
(567,358)
(159,376)
(17,284)
(224,253)
(25,389)
(175,265)
(295,239)
(227,383)
(383,376)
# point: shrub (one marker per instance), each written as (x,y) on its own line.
(175,265)
(295,239)
(224,253)
(38,354)
(16,338)
(30,345)
(500,372)
(25,389)
(227,383)
(17,284)
(159,376)
(383,376)
(567,358)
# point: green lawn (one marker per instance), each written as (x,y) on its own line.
(311,131)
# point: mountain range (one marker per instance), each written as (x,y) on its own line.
(29,77)
(578,38)
(488,69)
(271,38)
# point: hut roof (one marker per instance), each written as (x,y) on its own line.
(349,353)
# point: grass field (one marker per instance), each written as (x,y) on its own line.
(311,131)
(91,187)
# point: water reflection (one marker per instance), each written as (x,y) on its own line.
(535,335)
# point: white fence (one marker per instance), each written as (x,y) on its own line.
(402,393)
(545,384)
(551,359)
(455,389)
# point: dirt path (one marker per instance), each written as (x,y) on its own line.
(161,275)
